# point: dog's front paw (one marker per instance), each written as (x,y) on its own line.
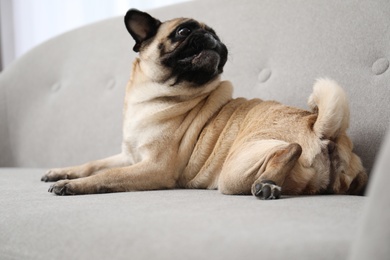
(266,190)
(63,187)
(66,173)
(55,175)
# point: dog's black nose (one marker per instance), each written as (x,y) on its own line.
(210,41)
(204,41)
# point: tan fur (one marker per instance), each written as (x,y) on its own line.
(184,137)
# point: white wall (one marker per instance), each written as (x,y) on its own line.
(27,23)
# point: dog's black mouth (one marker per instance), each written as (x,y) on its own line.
(189,58)
(198,57)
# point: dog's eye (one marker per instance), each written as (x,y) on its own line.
(183,31)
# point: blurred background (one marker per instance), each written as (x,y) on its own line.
(27,23)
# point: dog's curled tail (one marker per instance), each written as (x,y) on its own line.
(330,102)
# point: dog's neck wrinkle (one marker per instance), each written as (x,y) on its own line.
(210,106)
(173,109)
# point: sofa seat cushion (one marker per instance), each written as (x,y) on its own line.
(169,224)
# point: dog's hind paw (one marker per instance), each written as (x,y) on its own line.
(266,190)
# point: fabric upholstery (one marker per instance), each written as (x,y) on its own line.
(66,109)
(171,224)
(61,104)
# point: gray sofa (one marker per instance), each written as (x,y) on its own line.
(61,105)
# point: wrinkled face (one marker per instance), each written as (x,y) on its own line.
(182,50)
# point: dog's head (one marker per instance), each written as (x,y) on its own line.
(177,51)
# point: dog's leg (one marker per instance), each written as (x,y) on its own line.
(140,176)
(259,168)
(87,169)
(349,174)
(268,185)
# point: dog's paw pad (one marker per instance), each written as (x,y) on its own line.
(266,190)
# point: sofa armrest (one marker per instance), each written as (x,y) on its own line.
(373,238)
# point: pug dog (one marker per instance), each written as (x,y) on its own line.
(183,129)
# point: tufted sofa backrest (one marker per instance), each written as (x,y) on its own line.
(61,103)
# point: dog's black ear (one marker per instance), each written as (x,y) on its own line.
(141,26)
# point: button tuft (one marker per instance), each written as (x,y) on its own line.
(55,87)
(111,84)
(380,66)
(264,75)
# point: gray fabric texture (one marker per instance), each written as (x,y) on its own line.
(171,224)
(63,100)
(61,104)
